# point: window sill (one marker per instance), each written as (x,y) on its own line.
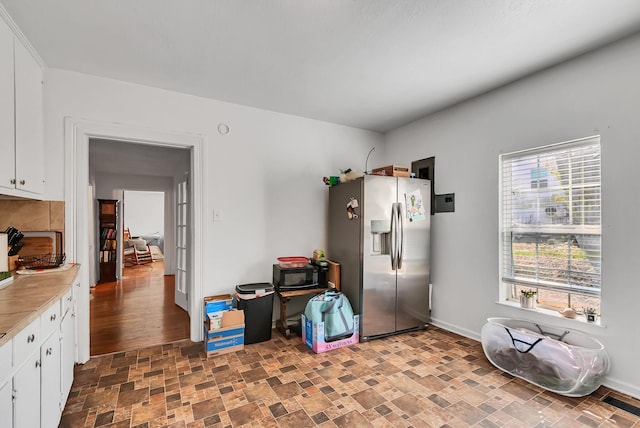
(553,314)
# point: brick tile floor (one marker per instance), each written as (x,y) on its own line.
(431,378)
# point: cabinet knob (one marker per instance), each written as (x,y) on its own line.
(38,364)
(53,317)
(49,351)
(13,181)
(31,338)
(22,182)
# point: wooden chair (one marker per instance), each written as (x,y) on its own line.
(135,252)
(143,257)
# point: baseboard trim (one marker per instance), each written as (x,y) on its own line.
(622,387)
(455,329)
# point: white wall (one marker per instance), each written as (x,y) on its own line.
(144,212)
(265,175)
(596,94)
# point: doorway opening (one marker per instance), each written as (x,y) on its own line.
(143,226)
(145,230)
(78,133)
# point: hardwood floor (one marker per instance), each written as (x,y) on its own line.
(136,312)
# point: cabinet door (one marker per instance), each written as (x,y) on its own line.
(26,384)
(6,360)
(6,403)
(29,113)
(50,381)
(7,138)
(68,353)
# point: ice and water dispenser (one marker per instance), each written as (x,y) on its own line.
(381,237)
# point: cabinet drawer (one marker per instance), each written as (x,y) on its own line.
(5,360)
(26,342)
(50,319)
(67,301)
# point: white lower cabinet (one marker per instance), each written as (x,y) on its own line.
(68,350)
(50,354)
(39,376)
(6,402)
(26,393)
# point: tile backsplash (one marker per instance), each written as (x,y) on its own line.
(36,216)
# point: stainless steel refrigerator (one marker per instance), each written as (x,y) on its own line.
(379,230)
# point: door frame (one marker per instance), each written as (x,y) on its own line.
(77,133)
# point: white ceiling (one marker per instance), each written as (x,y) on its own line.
(372,64)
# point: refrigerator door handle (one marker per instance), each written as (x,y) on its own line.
(394,237)
(401,233)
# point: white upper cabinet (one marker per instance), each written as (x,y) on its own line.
(29,140)
(21,119)
(7,121)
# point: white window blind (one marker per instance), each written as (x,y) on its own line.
(551,220)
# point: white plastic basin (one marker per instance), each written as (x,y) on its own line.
(561,360)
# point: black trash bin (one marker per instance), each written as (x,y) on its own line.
(257,302)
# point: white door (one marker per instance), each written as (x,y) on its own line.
(181,287)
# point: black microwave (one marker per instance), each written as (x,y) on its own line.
(299,278)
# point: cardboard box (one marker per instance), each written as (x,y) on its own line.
(224,346)
(222,319)
(228,338)
(392,170)
(313,336)
(224,333)
(221,302)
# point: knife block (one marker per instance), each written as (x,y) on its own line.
(13,262)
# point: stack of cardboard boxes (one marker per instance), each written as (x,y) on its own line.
(223,325)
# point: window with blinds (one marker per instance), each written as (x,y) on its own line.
(551,224)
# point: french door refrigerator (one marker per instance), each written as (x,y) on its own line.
(379,228)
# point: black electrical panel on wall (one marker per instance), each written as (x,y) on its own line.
(426,168)
(446,203)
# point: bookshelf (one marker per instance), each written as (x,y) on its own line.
(108,229)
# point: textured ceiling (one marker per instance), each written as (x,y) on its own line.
(372,64)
